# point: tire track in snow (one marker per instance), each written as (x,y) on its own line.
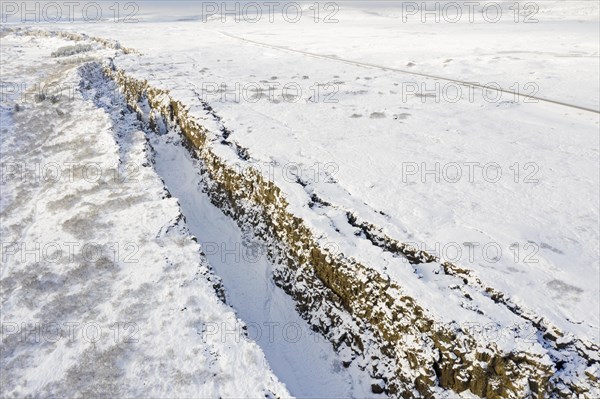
(423,75)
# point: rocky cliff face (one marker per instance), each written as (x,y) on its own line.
(365,315)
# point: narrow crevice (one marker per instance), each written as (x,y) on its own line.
(338,287)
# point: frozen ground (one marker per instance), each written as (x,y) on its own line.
(539,220)
(104,292)
(366,131)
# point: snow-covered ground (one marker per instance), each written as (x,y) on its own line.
(508,172)
(371,114)
(104,291)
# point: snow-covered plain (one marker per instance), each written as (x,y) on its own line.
(370,136)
